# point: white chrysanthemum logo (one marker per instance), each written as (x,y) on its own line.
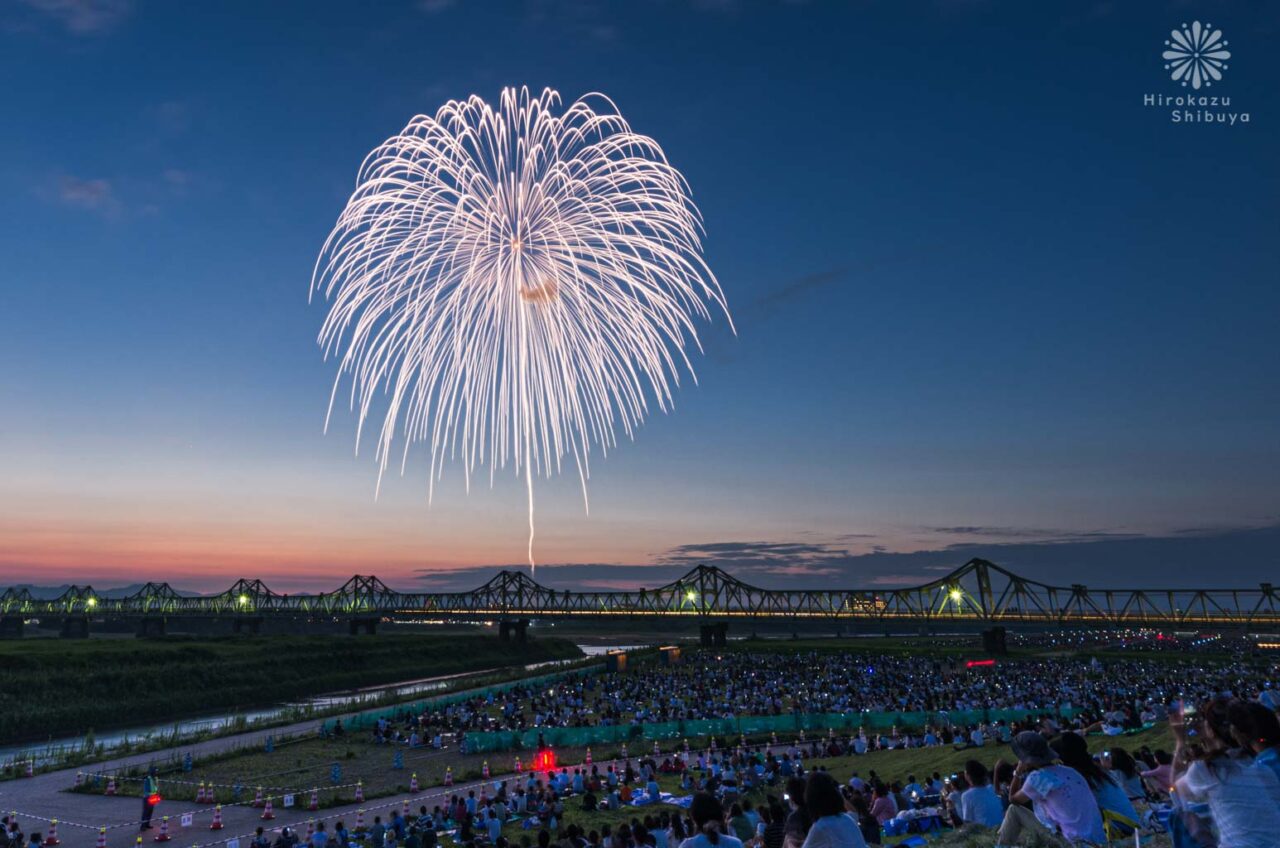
(1196,55)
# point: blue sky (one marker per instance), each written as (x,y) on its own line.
(983,294)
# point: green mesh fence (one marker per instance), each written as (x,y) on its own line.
(582,737)
(369,718)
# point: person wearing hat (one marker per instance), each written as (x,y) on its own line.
(1063,809)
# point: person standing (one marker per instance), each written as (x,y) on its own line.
(150,797)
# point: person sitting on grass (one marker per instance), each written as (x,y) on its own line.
(1243,797)
(1062,807)
(832,826)
(979,804)
(1257,730)
(709,824)
(1112,800)
(1124,769)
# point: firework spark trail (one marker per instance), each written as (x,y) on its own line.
(517,281)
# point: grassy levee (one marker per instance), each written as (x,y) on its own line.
(59,688)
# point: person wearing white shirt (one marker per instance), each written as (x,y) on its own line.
(979,804)
(832,826)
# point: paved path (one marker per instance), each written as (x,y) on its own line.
(45,796)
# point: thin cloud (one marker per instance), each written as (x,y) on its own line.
(92,195)
(83,17)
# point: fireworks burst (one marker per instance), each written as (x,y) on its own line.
(519,281)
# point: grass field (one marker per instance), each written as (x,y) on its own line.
(888,765)
(57,688)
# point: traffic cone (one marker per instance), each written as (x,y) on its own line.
(315,800)
(656,749)
(686,746)
(111,786)
(484,770)
(209,796)
(413,783)
(216,824)
(267,813)
(102,838)
(359,828)
(200,793)
(163,835)
(31,768)
(51,838)
(404,808)
(311,828)
(360,792)
(448,775)
(624,751)
(773,738)
(519,768)
(257,799)
(588,756)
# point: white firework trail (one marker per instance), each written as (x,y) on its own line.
(520,281)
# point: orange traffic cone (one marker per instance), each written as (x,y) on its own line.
(102,838)
(257,799)
(519,768)
(359,822)
(588,756)
(51,838)
(200,793)
(311,828)
(216,824)
(111,786)
(314,804)
(413,783)
(359,791)
(267,813)
(163,835)
(448,775)
(484,770)
(404,808)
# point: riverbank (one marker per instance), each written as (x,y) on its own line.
(53,689)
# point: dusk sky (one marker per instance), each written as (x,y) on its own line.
(988,302)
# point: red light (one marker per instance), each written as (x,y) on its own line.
(979,663)
(545,760)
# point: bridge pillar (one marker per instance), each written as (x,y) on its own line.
(994,641)
(251,626)
(368,625)
(75,627)
(150,627)
(713,635)
(517,630)
(11,627)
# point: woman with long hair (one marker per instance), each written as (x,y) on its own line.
(708,820)
(1124,768)
(832,826)
(1116,808)
(1243,797)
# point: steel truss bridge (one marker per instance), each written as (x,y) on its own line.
(979,592)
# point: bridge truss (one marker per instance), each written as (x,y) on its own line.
(977,592)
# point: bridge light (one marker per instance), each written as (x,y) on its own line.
(957,594)
(243,600)
(691,595)
(91,602)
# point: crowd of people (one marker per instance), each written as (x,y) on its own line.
(1120,693)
